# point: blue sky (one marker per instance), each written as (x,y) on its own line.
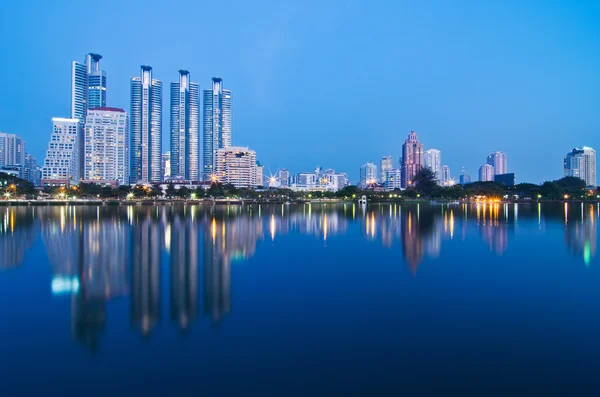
(331,83)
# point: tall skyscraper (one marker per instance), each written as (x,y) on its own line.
(386,164)
(107,145)
(217,124)
(146,128)
(185,128)
(498,161)
(464,177)
(96,82)
(445,178)
(486,173)
(412,159)
(236,165)
(433,161)
(61,165)
(12,150)
(368,174)
(581,163)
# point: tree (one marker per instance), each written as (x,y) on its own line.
(183,192)
(425,182)
(171,191)
(123,191)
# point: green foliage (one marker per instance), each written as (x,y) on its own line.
(425,182)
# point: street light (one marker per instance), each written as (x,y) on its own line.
(193,196)
(566,196)
(129,196)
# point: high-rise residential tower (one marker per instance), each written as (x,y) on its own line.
(581,163)
(445,178)
(284,178)
(107,145)
(498,161)
(486,173)
(12,150)
(412,159)
(237,166)
(433,161)
(216,126)
(146,128)
(387,163)
(368,174)
(61,165)
(96,82)
(185,128)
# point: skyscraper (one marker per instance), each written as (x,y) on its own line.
(284,178)
(498,161)
(12,150)
(581,163)
(368,174)
(393,179)
(464,177)
(96,82)
(185,128)
(412,159)
(236,165)
(486,173)
(445,178)
(61,165)
(433,161)
(146,127)
(107,145)
(217,124)
(386,164)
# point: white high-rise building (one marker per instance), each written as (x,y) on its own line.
(260,174)
(61,165)
(387,163)
(581,163)
(284,178)
(236,165)
(217,121)
(433,161)
(12,150)
(445,178)
(368,174)
(486,173)
(498,161)
(393,179)
(107,145)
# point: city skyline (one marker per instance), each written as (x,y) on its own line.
(483,115)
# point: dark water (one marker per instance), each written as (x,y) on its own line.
(300,300)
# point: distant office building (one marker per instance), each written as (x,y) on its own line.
(581,163)
(368,174)
(107,145)
(165,165)
(185,128)
(308,179)
(412,159)
(498,161)
(319,180)
(12,150)
(486,173)
(260,174)
(284,178)
(446,179)
(386,164)
(61,165)
(236,166)
(217,124)
(146,128)
(433,161)
(464,177)
(505,179)
(96,82)
(393,179)
(31,171)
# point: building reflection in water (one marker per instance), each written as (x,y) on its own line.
(16,235)
(494,220)
(580,231)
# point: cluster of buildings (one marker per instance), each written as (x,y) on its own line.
(15,160)
(581,163)
(107,145)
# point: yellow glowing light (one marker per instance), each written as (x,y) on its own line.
(566,196)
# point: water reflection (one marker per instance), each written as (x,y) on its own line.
(98,254)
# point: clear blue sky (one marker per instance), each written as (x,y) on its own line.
(331,83)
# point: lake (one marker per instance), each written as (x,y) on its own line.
(308,299)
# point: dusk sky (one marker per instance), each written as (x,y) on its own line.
(331,83)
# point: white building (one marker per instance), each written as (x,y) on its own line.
(284,178)
(433,161)
(107,145)
(445,178)
(368,174)
(319,181)
(61,165)
(486,173)
(498,161)
(393,179)
(236,165)
(386,164)
(581,163)
(260,174)
(12,150)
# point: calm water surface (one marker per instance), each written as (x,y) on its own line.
(299,300)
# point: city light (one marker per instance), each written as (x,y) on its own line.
(193,195)
(566,196)
(129,196)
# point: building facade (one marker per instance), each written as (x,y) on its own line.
(61,165)
(387,163)
(498,161)
(284,178)
(236,166)
(165,165)
(217,119)
(433,161)
(581,163)
(185,128)
(445,178)
(486,173)
(260,174)
(12,150)
(393,179)
(368,174)
(412,159)
(146,128)
(107,145)
(96,86)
